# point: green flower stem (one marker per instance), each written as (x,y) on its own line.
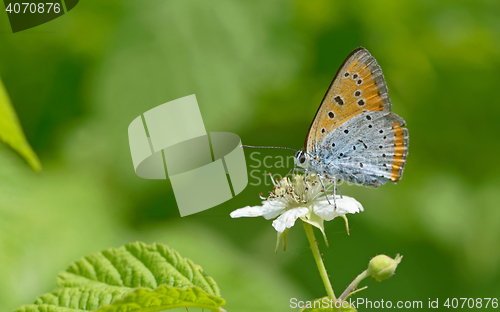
(354,284)
(319,261)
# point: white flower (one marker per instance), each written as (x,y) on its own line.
(304,199)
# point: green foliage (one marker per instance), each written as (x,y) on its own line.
(259,69)
(11,132)
(129,278)
(164,298)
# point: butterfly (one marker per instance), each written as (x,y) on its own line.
(354,136)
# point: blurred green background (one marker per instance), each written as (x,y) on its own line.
(258,69)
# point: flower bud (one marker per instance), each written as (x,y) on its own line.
(382,267)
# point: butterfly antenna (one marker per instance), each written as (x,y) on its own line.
(287,148)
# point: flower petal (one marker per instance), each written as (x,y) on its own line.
(287,219)
(345,204)
(267,211)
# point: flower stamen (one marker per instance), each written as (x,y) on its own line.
(304,197)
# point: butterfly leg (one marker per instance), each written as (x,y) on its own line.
(335,193)
(295,169)
(340,193)
(326,194)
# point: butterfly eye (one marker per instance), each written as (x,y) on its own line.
(302,158)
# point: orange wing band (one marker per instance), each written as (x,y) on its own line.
(400,151)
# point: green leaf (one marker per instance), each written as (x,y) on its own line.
(164,298)
(74,299)
(132,277)
(11,132)
(324,305)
